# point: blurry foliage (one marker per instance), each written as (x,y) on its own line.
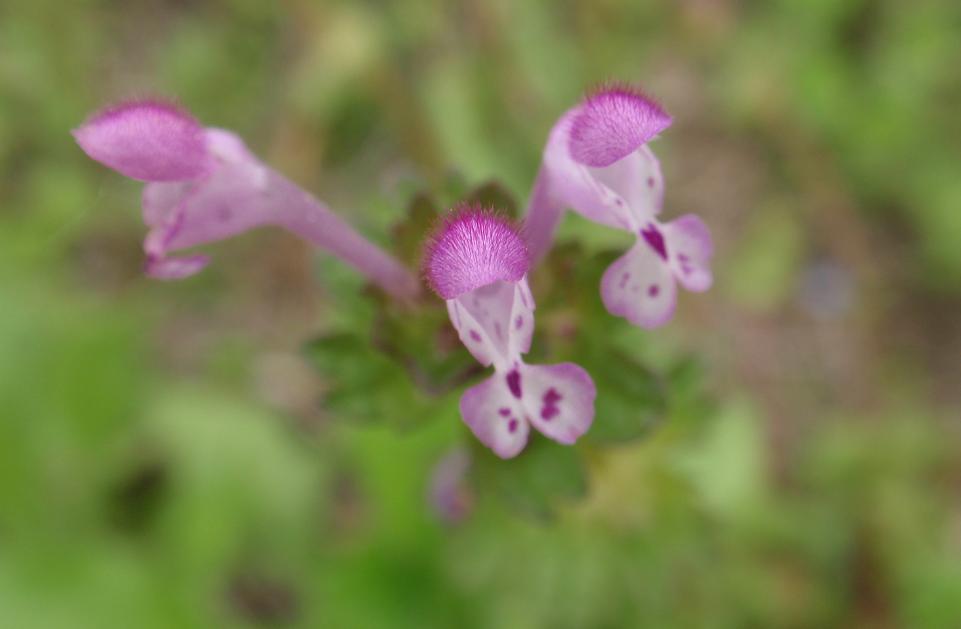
(871,81)
(145,481)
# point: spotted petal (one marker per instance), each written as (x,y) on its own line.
(690,245)
(146,140)
(559,400)
(639,286)
(495,416)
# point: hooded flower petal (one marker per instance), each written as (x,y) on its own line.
(492,411)
(559,400)
(639,286)
(691,248)
(613,123)
(146,140)
(472,248)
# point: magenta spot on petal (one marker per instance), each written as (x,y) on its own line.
(475,336)
(653,237)
(518,322)
(624,280)
(514,383)
(650,182)
(653,290)
(504,411)
(550,410)
(512,425)
(682,257)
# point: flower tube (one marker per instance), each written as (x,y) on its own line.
(203,185)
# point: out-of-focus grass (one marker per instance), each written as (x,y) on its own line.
(163,458)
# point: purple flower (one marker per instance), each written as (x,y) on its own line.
(598,164)
(478,262)
(203,185)
(449,494)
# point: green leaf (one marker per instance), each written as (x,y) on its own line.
(353,371)
(421,339)
(492,194)
(365,384)
(535,482)
(631,399)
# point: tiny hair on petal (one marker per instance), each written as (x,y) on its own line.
(614,120)
(471,247)
(147,140)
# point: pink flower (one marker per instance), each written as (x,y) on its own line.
(449,494)
(598,164)
(478,262)
(203,185)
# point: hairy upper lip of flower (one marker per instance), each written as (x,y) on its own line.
(203,185)
(473,247)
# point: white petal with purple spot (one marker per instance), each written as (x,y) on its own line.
(690,245)
(558,400)
(494,414)
(639,286)
(472,334)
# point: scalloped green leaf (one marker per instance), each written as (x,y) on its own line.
(536,482)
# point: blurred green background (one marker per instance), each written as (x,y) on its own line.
(167,458)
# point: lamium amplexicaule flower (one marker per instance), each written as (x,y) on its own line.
(597,162)
(478,262)
(203,185)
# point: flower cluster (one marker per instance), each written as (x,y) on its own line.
(203,185)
